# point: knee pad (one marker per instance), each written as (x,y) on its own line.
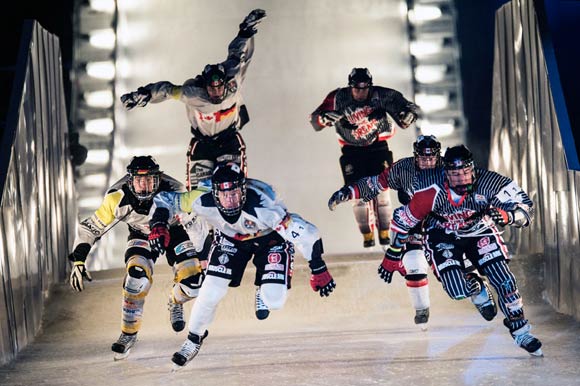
(188,278)
(415,263)
(139,278)
(274,295)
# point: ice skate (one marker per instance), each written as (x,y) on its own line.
(384,238)
(483,301)
(122,347)
(421,318)
(527,341)
(189,349)
(368,240)
(176,316)
(262,311)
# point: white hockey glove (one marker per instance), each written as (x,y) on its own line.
(79,271)
(138,98)
(248,26)
(329,118)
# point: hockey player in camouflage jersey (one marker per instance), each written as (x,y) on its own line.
(462,215)
(364,117)
(251,223)
(214,105)
(129,201)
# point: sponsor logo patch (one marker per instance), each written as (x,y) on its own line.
(487,248)
(273,276)
(183,247)
(274,267)
(137,243)
(219,269)
(223,259)
(274,258)
(448,263)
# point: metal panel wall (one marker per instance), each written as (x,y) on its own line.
(38,210)
(527,146)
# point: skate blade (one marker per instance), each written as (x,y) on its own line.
(175,368)
(537,353)
(423,326)
(121,356)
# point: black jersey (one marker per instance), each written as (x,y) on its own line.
(366,131)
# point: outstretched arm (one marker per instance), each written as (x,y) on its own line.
(151,93)
(306,237)
(325,115)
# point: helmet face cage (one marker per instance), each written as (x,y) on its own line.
(360,78)
(140,167)
(214,76)
(459,158)
(427,146)
(228,177)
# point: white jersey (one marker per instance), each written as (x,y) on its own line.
(262,214)
(208,118)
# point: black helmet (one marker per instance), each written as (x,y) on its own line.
(427,145)
(144,166)
(456,158)
(360,78)
(228,176)
(214,75)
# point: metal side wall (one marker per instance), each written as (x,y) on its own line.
(527,145)
(38,210)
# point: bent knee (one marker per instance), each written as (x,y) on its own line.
(274,295)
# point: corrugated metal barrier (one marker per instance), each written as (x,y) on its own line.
(38,210)
(527,145)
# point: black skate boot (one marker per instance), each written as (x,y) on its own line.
(189,349)
(527,341)
(122,347)
(262,311)
(384,238)
(483,300)
(176,315)
(368,240)
(421,318)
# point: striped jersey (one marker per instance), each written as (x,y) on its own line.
(436,203)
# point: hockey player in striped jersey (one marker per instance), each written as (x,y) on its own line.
(214,105)
(402,176)
(362,115)
(129,201)
(251,222)
(462,214)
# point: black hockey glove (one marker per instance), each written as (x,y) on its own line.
(500,216)
(136,98)
(320,279)
(248,26)
(338,197)
(377,114)
(329,118)
(78,273)
(392,262)
(406,118)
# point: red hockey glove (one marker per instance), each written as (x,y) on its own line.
(321,280)
(159,237)
(392,262)
(500,216)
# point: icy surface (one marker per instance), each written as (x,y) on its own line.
(363,334)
